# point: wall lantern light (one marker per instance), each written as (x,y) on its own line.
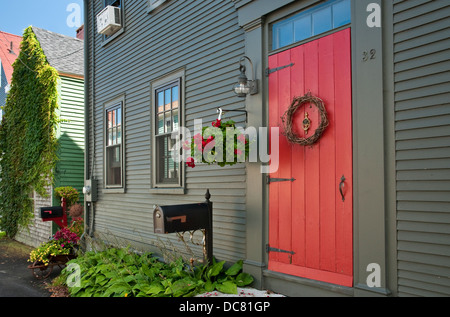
(245,86)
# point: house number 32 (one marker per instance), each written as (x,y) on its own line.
(369,55)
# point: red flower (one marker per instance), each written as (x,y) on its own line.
(238,152)
(216,123)
(242,138)
(186,145)
(190,162)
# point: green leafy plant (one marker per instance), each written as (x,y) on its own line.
(28,143)
(69,193)
(223,144)
(121,272)
(216,277)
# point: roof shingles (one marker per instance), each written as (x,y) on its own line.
(8,56)
(64,53)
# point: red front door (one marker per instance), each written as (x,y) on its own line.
(310,220)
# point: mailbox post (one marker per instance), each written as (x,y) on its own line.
(188,217)
(209,229)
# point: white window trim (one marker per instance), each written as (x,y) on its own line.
(154,85)
(108,105)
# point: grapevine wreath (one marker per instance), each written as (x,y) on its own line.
(289,114)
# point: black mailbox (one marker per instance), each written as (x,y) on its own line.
(51,212)
(180,218)
(184,218)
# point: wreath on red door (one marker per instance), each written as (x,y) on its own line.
(289,115)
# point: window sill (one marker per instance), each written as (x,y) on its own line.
(170,191)
(113,37)
(120,190)
(155,7)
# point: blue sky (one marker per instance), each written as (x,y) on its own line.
(52,15)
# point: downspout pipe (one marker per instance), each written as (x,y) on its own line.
(91,167)
(86,112)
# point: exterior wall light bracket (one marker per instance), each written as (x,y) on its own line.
(244,86)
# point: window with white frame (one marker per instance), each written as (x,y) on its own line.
(167,111)
(114,145)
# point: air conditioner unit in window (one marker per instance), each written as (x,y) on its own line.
(109,20)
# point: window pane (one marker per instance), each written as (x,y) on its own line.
(168,122)
(109,116)
(302,28)
(113,165)
(175,119)
(113,117)
(167,169)
(322,20)
(119,116)
(110,139)
(167,99)
(285,34)
(175,97)
(161,123)
(114,136)
(119,134)
(341,13)
(114,3)
(160,105)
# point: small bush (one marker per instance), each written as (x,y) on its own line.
(69,193)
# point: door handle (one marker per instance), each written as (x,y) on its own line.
(340,187)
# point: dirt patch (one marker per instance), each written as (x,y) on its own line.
(58,291)
(11,249)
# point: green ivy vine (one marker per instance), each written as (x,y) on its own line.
(28,142)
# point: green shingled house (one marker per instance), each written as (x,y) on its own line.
(65,54)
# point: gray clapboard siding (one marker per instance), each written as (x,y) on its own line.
(422,81)
(38,231)
(204,38)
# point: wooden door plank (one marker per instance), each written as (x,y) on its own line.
(312,156)
(298,163)
(284,194)
(273,190)
(327,156)
(344,209)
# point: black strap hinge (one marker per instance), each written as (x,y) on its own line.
(270,249)
(275,180)
(273,70)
